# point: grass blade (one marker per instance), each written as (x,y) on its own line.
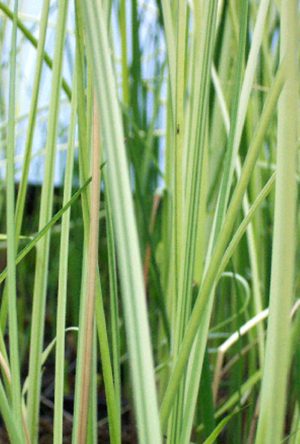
(62,281)
(11,233)
(42,258)
(273,392)
(124,225)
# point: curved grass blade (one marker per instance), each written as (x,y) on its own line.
(220,427)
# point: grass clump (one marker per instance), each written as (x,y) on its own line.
(150,295)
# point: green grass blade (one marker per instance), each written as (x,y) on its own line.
(14,433)
(114,303)
(11,233)
(218,430)
(273,392)
(62,280)
(42,258)
(125,228)
(32,117)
